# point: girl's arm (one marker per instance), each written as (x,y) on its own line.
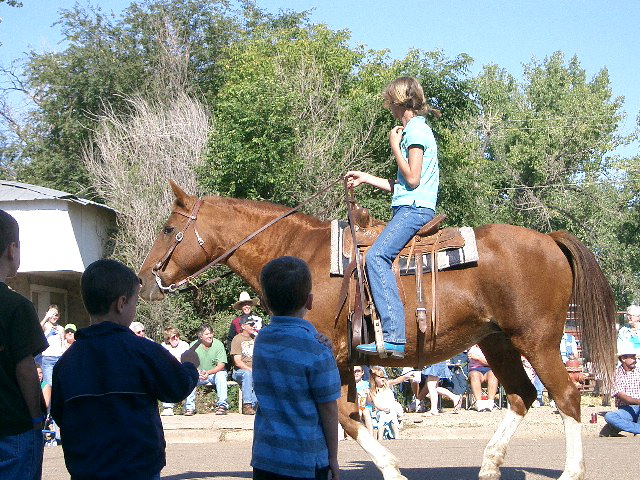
(411,170)
(355,178)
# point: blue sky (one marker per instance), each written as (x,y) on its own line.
(508,33)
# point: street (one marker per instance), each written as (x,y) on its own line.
(527,458)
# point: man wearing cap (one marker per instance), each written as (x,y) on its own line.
(245,304)
(626,391)
(631,334)
(242,354)
(69,336)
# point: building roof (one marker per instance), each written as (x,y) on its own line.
(17,191)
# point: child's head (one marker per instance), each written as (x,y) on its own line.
(40,374)
(171,335)
(378,380)
(358,372)
(106,284)
(9,231)
(406,92)
(286,285)
(9,234)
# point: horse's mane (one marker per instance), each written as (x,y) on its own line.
(264,208)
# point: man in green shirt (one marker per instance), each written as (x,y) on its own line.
(213,360)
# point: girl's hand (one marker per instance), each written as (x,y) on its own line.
(355,178)
(395,135)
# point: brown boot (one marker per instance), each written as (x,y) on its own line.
(247,409)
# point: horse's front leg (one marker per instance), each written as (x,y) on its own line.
(381,457)
(496,449)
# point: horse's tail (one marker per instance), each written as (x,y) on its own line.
(595,304)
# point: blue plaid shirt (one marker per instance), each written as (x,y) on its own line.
(292,373)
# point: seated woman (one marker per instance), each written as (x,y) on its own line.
(386,409)
(479,373)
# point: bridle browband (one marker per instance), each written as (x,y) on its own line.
(191,219)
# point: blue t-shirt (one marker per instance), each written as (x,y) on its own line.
(418,134)
(292,373)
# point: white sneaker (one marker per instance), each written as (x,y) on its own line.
(167,412)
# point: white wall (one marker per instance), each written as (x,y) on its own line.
(59,235)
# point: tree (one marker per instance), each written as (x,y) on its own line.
(543,152)
(106,61)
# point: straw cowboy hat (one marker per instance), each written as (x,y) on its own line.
(245,298)
(633,311)
(625,348)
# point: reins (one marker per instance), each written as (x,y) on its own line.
(191,219)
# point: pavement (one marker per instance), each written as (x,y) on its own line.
(446,447)
(539,422)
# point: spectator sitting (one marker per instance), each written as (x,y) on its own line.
(245,304)
(55,337)
(69,335)
(415,377)
(242,355)
(433,374)
(568,347)
(365,407)
(533,376)
(631,334)
(107,384)
(626,390)
(387,410)
(479,373)
(138,329)
(297,383)
(175,347)
(213,360)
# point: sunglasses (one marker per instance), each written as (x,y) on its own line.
(357,370)
(251,324)
(628,356)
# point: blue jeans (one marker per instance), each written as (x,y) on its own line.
(219,379)
(21,455)
(626,418)
(47,368)
(245,379)
(406,221)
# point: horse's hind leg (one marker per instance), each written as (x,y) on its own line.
(549,367)
(505,362)
(349,419)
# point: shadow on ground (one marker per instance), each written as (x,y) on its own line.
(366,471)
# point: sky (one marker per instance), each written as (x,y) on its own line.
(508,33)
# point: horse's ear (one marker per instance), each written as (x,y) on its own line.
(181,196)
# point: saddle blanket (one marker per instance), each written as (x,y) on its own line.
(446,258)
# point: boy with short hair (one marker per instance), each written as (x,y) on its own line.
(296,382)
(107,384)
(21,404)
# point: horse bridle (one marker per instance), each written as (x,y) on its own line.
(191,219)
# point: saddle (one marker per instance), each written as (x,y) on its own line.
(363,231)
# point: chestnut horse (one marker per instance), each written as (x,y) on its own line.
(513,302)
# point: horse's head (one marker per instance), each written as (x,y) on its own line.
(176,253)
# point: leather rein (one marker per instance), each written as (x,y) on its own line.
(191,220)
